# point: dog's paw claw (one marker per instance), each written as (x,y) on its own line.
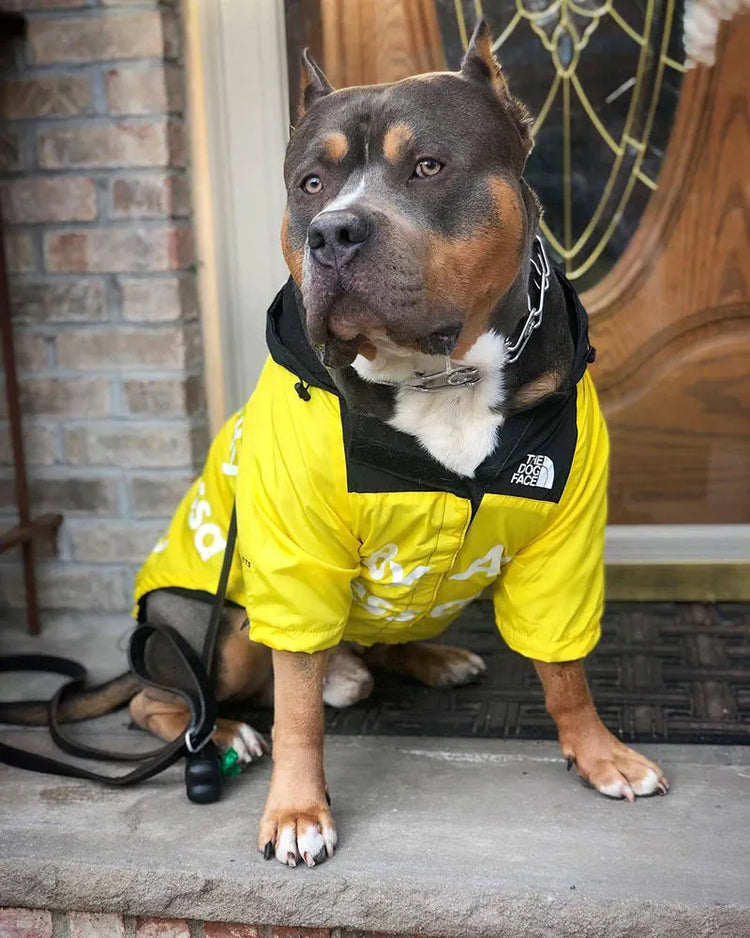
(649,784)
(618,791)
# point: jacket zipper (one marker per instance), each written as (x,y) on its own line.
(476,494)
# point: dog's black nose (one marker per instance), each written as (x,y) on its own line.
(336,237)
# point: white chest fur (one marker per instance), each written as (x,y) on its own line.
(457,426)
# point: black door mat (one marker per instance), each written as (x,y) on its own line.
(663,672)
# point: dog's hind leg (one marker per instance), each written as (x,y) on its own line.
(160,713)
(434,665)
(166,716)
(242,668)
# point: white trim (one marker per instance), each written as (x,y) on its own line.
(633,543)
(246,118)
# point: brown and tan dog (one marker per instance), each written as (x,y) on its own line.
(448,416)
(409,227)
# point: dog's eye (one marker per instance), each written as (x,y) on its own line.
(312,184)
(427,168)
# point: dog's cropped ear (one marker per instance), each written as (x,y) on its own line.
(480,65)
(315,85)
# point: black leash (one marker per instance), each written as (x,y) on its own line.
(202,774)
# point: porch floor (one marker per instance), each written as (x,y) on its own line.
(438,836)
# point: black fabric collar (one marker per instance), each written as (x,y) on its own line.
(585,353)
(288,343)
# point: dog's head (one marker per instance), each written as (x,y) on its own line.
(406,222)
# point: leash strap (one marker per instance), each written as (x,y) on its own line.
(200,698)
(208,654)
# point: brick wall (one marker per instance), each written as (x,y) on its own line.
(96,202)
(40,923)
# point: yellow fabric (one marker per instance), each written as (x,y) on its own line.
(191,553)
(321,565)
(549,601)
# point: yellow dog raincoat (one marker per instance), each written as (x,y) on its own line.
(349,531)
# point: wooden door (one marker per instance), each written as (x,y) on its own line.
(672,319)
(663,260)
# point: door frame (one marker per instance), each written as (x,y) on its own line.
(691,562)
(237,108)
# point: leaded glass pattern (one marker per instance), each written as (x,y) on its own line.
(602,80)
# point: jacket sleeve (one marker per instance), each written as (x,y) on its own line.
(550,597)
(297,551)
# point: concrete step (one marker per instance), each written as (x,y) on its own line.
(438,837)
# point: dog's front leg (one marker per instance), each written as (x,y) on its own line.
(601,759)
(296,822)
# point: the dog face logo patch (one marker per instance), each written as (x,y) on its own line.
(535,470)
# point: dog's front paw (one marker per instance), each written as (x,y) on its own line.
(293,835)
(612,768)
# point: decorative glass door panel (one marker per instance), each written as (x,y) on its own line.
(603,91)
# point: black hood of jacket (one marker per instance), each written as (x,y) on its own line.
(289,346)
(288,343)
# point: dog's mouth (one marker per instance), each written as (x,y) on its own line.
(335,352)
(343,326)
(440,342)
(339,351)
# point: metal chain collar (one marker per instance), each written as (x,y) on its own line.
(456,376)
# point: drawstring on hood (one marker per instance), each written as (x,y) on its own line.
(303,390)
